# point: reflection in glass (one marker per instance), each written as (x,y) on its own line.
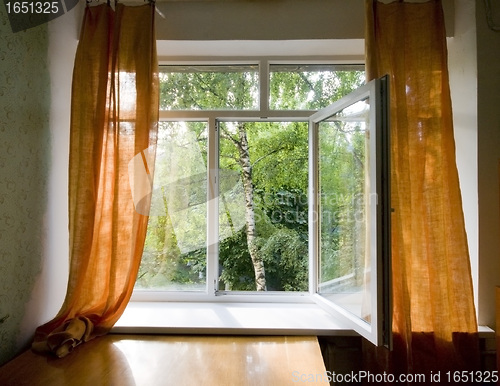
(174,256)
(344,203)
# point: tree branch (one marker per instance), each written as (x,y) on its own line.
(268,154)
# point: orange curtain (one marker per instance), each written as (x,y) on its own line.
(434,320)
(114,115)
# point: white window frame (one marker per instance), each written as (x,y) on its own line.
(212,295)
(379,330)
(212,117)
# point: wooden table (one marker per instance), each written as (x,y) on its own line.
(175,360)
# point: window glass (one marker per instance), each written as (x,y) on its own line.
(204,87)
(344,180)
(311,86)
(174,256)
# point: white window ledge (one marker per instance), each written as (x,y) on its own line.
(233,318)
(229,318)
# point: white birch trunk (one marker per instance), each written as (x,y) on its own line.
(246,166)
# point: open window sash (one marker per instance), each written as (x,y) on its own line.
(349,215)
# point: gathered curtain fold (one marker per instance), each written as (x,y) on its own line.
(434,320)
(114,117)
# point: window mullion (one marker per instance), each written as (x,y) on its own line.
(212,207)
(264,85)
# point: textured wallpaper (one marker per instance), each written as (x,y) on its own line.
(24,165)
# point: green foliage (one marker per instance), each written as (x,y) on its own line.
(342,184)
(227,87)
(235,263)
(285,258)
(286,261)
(311,90)
(163,264)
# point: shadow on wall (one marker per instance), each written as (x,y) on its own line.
(24,166)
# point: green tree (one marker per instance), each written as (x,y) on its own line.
(272,160)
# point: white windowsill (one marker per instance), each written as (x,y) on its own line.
(235,318)
(229,318)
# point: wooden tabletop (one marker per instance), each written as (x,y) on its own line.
(175,360)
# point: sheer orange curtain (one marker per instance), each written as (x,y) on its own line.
(114,115)
(434,321)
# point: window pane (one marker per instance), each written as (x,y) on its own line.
(174,256)
(344,209)
(311,87)
(203,87)
(263,206)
